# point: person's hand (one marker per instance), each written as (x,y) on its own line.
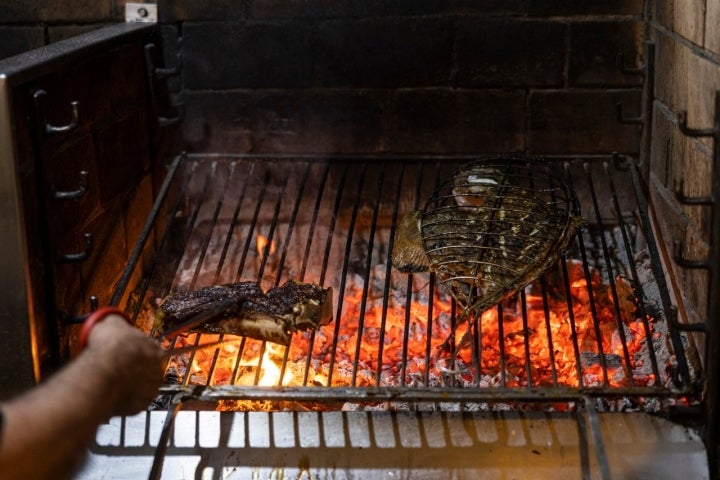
(131,362)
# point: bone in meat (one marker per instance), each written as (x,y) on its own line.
(244,309)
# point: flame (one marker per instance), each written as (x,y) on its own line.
(261,243)
(271,367)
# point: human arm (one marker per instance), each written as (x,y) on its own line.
(47,429)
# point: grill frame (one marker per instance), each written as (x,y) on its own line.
(426,394)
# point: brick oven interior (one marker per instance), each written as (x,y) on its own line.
(634,80)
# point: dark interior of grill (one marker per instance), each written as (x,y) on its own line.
(273,143)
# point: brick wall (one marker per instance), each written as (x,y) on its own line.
(687,39)
(371,77)
(418,76)
(29,24)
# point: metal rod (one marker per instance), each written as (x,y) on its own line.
(160,201)
(306,257)
(583,445)
(213,221)
(548,330)
(251,227)
(271,232)
(501,336)
(596,433)
(186,239)
(163,442)
(343,274)
(571,318)
(386,291)
(638,286)
(431,285)
(224,251)
(263,263)
(400,394)
(291,223)
(348,249)
(712,356)
(591,298)
(647,102)
(659,275)
(611,279)
(284,252)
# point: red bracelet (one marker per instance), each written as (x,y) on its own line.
(96,317)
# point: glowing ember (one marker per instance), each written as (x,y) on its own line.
(543,338)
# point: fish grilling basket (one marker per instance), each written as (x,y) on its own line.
(493,227)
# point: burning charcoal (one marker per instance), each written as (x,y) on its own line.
(591,359)
(243,309)
(628,301)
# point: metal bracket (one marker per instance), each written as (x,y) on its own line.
(685,327)
(622,163)
(79,256)
(39,99)
(77,193)
(686,200)
(627,120)
(163,74)
(84,316)
(141,12)
(178,118)
(620,61)
(693,132)
(683,262)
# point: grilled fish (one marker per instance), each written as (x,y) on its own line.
(491,229)
(244,309)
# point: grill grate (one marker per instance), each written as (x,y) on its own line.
(576,332)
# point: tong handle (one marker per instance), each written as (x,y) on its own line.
(96,317)
(213,311)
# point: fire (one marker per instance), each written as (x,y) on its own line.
(538,339)
(262,243)
(271,371)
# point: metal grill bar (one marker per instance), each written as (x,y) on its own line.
(633,269)
(611,275)
(332,222)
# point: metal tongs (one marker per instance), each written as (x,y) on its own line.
(169,335)
(196,320)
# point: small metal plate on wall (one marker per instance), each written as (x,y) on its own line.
(141,12)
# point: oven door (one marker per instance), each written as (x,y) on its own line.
(76,125)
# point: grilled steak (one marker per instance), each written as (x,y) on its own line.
(491,229)
(244,309)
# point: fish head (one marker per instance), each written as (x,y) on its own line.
(472,186)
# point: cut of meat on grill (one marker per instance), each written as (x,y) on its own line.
(244,309)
